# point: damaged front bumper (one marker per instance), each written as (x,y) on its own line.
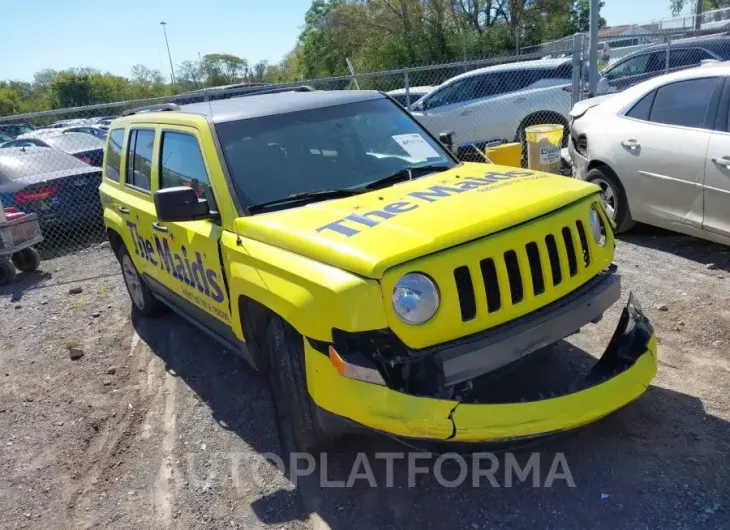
(621,375)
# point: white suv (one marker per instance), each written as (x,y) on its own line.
(498,102)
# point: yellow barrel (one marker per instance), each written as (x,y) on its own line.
(543,147)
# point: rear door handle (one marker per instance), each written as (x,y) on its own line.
(157,226)
(631,143)
(466,112)
(122,209)
(520,100)
(721,161)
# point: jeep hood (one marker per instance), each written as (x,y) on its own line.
(366,234)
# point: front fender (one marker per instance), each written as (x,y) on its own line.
(312,296)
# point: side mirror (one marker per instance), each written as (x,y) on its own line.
(447,138)
(180,204)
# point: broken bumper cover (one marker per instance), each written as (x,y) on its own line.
(623,373)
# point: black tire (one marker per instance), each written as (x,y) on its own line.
(27,260)
(614,197)
(143,302)
(7,272)
(296,412)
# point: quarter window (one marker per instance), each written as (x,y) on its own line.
(684,103)
(641,110)
(139,158)
(181,164)
(687,57)
(114,154)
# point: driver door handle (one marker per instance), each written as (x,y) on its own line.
(157,226)
(721,160)
(631,143)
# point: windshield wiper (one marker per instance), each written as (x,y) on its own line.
(406,173)
(306,196)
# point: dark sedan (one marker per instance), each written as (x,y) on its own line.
(48,182)
(85,147)
(659,59)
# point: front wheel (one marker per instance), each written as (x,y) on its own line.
(296,412)
(614,197)
(143,302)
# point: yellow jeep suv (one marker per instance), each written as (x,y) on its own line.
(343,251)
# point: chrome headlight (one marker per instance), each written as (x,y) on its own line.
(415,298)
(599,233)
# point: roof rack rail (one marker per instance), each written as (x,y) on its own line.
(152,108)
(276,90)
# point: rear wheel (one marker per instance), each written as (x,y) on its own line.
(614,197)
(7,271)
(27,260)
(541,118)
(143,302)
(296,412)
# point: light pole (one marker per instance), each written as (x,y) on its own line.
(169,56)
(593,49)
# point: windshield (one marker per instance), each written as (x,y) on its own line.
(345,146)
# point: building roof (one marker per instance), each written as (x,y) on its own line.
(623,30)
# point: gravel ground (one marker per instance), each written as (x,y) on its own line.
(157,427)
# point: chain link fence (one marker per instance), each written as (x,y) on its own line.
(50,162)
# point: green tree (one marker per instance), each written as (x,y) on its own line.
(10,102)
(580,16)
(189,75)
(223,69)
(70,89)
(258,72)
(678,5)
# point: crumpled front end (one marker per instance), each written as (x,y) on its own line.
(621,375)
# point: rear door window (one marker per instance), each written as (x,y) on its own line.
(114,154)
(683,103)
(139,158)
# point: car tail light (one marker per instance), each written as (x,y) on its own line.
(38,194)
(568,89)
(85,159)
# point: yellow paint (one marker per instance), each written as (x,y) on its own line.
(386,410)
(318,277)
(505,154)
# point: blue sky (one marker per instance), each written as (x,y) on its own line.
(115,35)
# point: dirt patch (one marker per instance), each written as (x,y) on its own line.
(155,426)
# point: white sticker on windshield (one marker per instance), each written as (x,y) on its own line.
(416,146)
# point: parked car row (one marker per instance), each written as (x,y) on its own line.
(86,147)
(498,103)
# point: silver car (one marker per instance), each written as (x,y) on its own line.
(660,151)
